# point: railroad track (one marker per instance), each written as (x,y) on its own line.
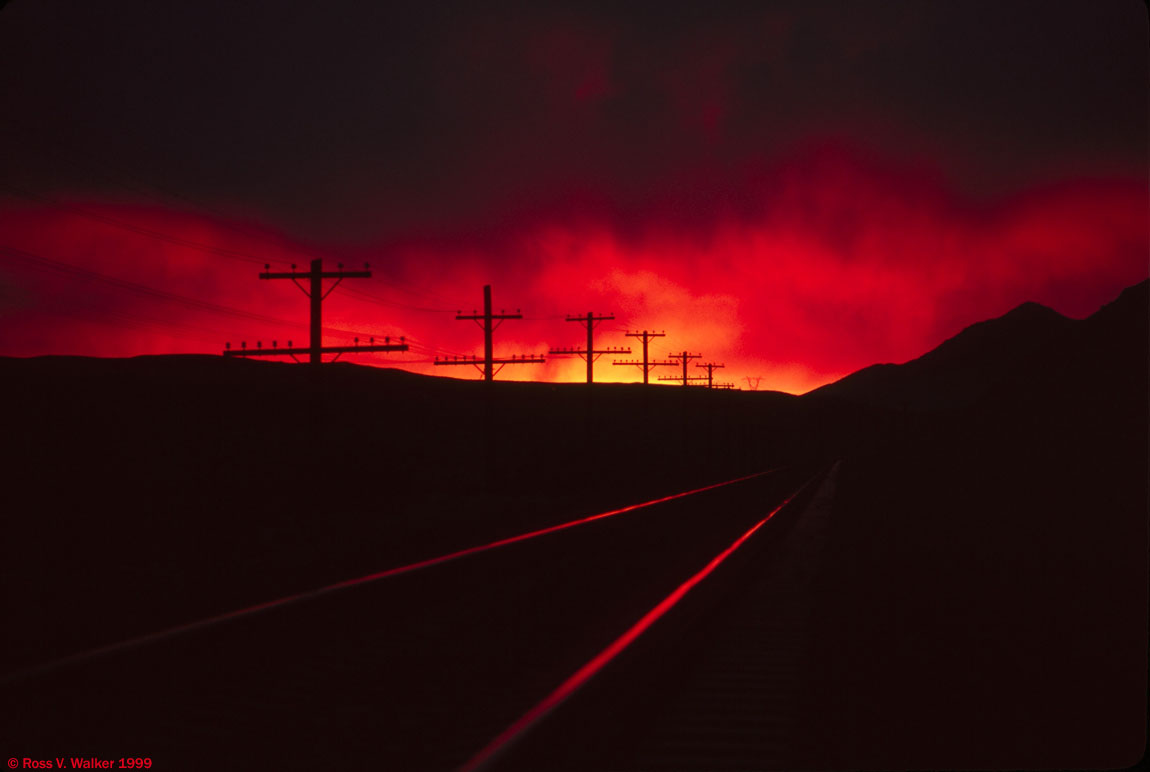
(448,663)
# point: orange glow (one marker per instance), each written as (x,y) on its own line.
(830,263)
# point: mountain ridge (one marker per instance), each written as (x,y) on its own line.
(1029,343)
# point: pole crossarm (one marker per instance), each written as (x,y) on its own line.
(679,378)
(292,351)
(637,363)
(271,352)
(478,363)
(481,317)
(467,360)
(483,320)
(293,275)
(582,353)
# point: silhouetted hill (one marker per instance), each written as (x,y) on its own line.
(1030,343)
(985,590)
(133,485)
(983,595)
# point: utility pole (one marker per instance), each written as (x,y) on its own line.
(315,349)
(684,358)
(590,321)
(489,322)
(710,367)
(646,365)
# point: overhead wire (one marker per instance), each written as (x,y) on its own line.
(144,290)
(158,235)
(118,180)
(221,219)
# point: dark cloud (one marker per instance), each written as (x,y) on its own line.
(355,120)
(798,188)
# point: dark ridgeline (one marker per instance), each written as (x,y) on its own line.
(981,601)
(137,485)
(985,593)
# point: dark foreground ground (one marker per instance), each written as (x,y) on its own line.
(978,598)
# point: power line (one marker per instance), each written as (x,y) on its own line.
(207,248)
(159,236)
(140,289)
(367,297)
(221,219)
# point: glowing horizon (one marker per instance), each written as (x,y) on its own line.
(829,278)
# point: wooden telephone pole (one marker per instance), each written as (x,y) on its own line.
(646,365)
(315,349)
(711,367)
(684,357)
(489,322)
(590,321)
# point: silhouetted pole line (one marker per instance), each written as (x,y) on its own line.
(489,322)
(710,367)
(314,291)
(590,321)
(724,386)
(646,365)
(292,351)
(684,358)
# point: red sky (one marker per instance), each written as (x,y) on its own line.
(793,193)
(851,263)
